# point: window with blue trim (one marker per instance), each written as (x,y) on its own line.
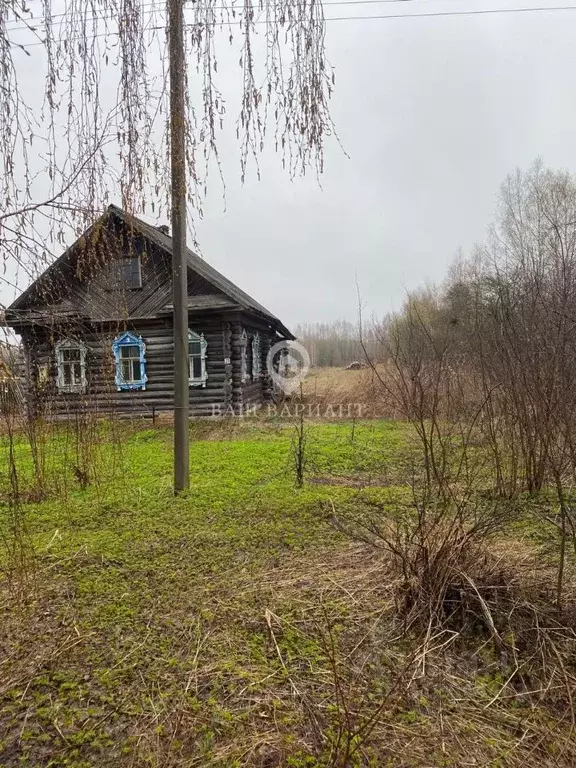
(130,356)
(197,345)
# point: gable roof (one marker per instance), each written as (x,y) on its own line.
(164,242)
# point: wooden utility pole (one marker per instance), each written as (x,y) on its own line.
(179,268)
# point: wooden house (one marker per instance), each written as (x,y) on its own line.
(96,328)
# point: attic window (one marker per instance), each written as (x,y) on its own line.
(125,274)
(130,273)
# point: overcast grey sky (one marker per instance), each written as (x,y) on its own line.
(433,113)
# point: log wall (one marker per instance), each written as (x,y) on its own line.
(224,391)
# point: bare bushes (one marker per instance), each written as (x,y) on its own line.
(440,558)
(485,371)
(481,552)
(17,560)
(439,545)
(42,459)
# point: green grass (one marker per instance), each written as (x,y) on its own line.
(131,579)
(242,489)
(205,629)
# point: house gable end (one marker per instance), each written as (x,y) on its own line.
(78,283)
(75,285)
(198,268)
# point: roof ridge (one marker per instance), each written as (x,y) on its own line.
(200,265)
(195,263)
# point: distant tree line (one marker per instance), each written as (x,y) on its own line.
(338,343)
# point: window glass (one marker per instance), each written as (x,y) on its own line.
(129,350)
(130,368)
(129,353)
(244,357)
(71,367)
(256,360)
(196,368)
(197,359)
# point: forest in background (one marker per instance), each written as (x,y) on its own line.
(338,343)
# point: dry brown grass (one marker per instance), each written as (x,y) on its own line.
(304,663)
(354,688)
(339,387)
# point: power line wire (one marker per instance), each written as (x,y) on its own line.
(39,20)
(435,14)
(480,12)
(31,21)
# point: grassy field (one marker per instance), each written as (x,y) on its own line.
(235,626)
(363,387)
